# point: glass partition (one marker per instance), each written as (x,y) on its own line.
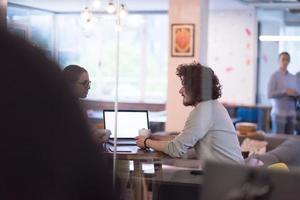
(33,25)
(143,55)
(276,34)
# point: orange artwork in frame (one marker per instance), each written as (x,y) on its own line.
(182,40)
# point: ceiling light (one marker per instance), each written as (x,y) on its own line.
(86,14)
(123,11)
(111,7)
(279,38)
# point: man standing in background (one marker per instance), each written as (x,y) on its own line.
(283,90)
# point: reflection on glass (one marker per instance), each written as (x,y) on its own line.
(283,25)
(34,25)
(143,56)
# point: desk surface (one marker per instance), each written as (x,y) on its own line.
(173,171)
(138,154)
(150,155)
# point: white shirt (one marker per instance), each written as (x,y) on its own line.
(210,131)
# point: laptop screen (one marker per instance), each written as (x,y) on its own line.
(129,122)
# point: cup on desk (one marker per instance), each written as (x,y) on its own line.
(144,132)
(101,135)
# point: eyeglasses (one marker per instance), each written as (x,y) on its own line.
(85,83)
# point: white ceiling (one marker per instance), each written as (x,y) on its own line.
(226,5)
(79,5)
(273,4)
(133,5)
(151,5)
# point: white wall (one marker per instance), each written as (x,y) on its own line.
(230,47)
(182,12)
(232,39)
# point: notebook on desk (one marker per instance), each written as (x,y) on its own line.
(129,124)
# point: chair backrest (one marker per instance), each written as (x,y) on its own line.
(223,181)
(248,114)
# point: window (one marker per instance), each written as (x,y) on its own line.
(143,54)
(279,33)
(143,50)
(34,25)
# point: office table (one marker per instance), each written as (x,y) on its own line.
(138,156)
(175,172)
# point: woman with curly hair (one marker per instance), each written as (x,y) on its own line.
(208,128)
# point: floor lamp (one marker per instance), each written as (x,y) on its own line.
(118,29)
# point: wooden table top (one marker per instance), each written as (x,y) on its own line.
(174,171)
(135,153)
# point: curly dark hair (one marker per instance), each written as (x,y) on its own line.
(199,82)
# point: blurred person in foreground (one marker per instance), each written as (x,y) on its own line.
(47,151)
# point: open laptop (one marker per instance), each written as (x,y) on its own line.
(129,124)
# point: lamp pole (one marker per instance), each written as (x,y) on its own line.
(118,25)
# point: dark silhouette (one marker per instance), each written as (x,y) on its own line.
(46,148)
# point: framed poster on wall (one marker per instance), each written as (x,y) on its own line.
(182,40)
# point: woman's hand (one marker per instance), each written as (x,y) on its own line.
(101,135)
(140,141)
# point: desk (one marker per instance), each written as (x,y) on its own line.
(167,175)
(138,156)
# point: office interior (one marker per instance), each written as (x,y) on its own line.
(239,39)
